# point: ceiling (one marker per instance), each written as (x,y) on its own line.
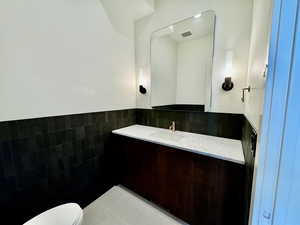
(199,27)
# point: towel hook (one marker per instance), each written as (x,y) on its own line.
(243,90)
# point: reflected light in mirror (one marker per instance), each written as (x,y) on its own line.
(198,16)
(171,28)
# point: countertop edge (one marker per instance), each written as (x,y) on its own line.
(199,152)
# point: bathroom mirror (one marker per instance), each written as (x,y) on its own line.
(181,64)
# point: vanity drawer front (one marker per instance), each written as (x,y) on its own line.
(195,188)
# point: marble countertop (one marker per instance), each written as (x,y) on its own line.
(220,148)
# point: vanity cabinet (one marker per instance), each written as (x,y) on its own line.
(198,189)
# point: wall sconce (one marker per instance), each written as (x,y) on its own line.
(228,84)
(142,82)
(143,90)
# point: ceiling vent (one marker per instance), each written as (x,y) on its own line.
(186,34)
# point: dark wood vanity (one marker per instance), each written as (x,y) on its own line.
(198,189)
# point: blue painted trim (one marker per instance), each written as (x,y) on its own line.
(280,63)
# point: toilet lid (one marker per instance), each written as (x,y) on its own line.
(68,214)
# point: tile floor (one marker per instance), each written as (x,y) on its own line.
(119,206)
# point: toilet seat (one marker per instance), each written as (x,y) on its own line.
(68,214)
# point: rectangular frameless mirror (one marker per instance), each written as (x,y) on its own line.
(181,64)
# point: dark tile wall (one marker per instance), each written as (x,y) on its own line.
(216,124)
(249,139)
(49,161)
(45,162)
(182,107)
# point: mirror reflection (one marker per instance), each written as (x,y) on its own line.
(181,64)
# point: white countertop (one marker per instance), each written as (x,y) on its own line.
(220,148)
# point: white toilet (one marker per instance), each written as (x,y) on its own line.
(68,214)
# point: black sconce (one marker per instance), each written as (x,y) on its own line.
(143,90)
(228,84)
(142,82)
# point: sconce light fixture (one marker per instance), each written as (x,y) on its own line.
(142,82)
(228,84)
(143,90)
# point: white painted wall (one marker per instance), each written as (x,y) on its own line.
(193,60)
(151,3)
(233,31)
(62,57)
(164,71)
(258,57)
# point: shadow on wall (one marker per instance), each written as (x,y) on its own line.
(122,14)
(120,25)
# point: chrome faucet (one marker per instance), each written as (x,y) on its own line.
(173,126)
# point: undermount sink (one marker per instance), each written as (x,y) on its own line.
(168,135)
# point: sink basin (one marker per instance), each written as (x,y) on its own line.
(167,135)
